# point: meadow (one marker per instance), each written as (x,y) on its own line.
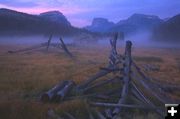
(25,76)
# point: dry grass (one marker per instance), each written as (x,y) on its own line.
(23,77)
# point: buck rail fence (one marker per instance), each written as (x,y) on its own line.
(128,83)
(47,44)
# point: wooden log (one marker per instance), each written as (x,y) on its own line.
(61,94)
(113,69)
(126,79)
(47,96)
(164,86)
(142,98)
(49,41)
(29,49)
(93,78)
(63,46)
(160,95)
(102,83)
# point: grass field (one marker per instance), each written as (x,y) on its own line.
(24,76)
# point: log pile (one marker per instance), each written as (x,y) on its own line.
(128,82)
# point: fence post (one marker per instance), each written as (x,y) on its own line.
(49,41)
(113,53)
(126,78)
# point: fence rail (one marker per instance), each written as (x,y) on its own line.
(132,83)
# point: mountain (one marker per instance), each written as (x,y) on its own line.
(137,23)
(13,22)
(100,25)
(56,17)
(133,24)
(169,30)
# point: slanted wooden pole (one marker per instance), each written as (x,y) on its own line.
(113,53)
(127,78)
(63,46)
(49,41)
(93,78)
(101,83)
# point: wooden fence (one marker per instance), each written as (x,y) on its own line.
(133,85)
(47,44)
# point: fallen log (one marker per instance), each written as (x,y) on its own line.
(47,96)
(61,94)
(29,49)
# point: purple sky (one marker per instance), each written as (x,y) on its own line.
(81,12)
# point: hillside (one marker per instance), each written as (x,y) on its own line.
(13,22)
(169,30)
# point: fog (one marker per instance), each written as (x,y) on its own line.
(29,40)
(141,39)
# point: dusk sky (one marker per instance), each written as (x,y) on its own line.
(81,12)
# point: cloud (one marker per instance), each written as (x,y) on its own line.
(19,3)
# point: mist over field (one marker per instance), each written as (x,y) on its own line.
(141,39)
(89,59)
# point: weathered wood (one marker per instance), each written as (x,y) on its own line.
(142,98)
(47,96)
(164,86)
(126,79)
(49,41)
(101,73)
(29,49)
(63,46)
(102,83)
(60,95)
(113,54)
(112,69)
(153,90)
